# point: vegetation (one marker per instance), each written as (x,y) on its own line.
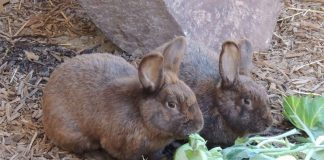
(305,113)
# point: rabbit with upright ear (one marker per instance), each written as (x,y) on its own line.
(232,103)
(101,101)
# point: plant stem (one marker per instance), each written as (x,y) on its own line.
(286,134)
(272,141)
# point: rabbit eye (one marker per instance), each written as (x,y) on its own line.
(171,105)
(246,101)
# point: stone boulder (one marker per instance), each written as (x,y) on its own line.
(141,25)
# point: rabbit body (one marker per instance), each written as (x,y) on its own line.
(101,101)
(233,105)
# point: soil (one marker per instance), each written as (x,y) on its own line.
(37,35)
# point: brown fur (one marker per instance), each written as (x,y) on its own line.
(221,84)
(101,101)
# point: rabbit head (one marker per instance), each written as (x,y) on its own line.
(170,106)
(243,103)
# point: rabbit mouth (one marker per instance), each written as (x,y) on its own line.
(187,128)
(181,136)
(265,132)
(258,128)
(183,131)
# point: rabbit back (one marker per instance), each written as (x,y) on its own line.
(199,72)
(75,99)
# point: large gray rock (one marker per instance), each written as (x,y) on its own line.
(138,26)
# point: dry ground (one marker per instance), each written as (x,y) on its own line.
(36,35)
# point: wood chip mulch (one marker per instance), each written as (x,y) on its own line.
(36,36)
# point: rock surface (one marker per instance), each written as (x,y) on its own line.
(142,25)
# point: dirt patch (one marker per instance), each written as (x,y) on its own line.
(36,36)
(294,63)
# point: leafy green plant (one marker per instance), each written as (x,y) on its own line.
(305,113)
(196,150)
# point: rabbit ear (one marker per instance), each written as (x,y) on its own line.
(150,71)
(246,51)
(173,53)
(229,63)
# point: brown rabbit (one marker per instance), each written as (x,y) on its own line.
(232,103)
(101,101)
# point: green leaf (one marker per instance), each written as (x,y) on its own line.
(290,110)
(197,142)
(181,152)
(215,154)
(197,155)
(196,149)
(238,152)
(305,111)
(241,140)
(318,155)
(286,157)
(262,157)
